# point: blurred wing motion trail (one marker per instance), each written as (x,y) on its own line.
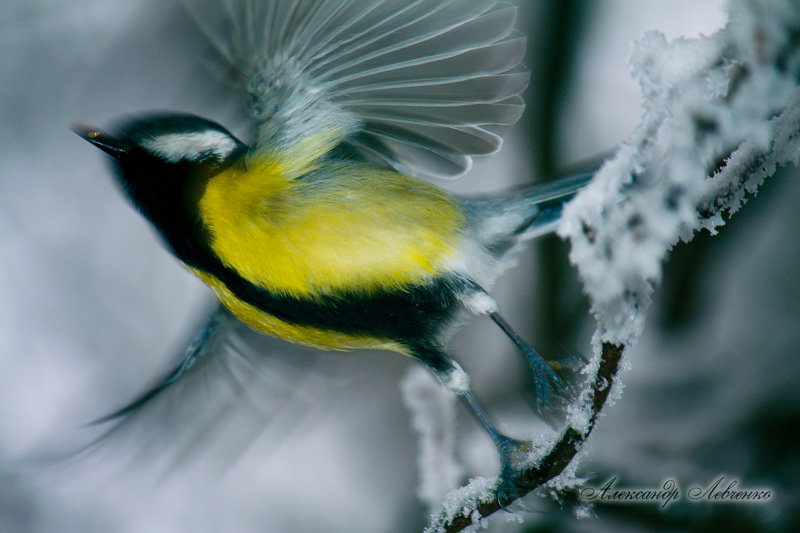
(224,391)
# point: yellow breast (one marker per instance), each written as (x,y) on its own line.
(344,227)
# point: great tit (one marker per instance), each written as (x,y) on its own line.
(320,231)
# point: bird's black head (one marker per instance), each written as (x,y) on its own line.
(159,149)
(162,162)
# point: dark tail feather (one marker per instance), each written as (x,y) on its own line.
(548,200)
(524,213)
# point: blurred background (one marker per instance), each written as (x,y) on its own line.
(94,309)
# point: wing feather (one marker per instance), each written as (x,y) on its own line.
(413,85)
(496,113)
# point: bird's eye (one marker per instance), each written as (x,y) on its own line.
(191,146)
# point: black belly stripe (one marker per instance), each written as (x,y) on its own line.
(402,315)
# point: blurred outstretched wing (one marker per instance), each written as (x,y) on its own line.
(230,383)
(420,86)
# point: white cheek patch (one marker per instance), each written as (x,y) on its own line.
(174,147)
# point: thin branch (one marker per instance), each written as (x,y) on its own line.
(560,454)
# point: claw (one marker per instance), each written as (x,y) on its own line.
(513,457)
(556,386)
(547,382)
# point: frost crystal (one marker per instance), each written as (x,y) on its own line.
(720,114)
(464,502)
(434,418)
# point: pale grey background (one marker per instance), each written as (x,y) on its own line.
(93,308)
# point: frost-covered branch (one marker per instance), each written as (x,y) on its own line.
(721,113)
(470,504)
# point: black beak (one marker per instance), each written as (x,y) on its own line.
(105,142)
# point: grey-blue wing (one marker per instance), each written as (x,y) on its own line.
(420,86)
(227,388)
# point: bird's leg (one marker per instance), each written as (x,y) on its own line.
(548,384)
(512,452)
(545,378)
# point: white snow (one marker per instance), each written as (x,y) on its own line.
(461,501)
(707,100)
(434,419)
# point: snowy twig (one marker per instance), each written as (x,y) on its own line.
(463,510)
(721,113)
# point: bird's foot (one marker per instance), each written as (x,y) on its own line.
(514,458)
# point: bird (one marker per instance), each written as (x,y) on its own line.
(326,228)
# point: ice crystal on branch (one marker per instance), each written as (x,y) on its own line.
(720,114)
